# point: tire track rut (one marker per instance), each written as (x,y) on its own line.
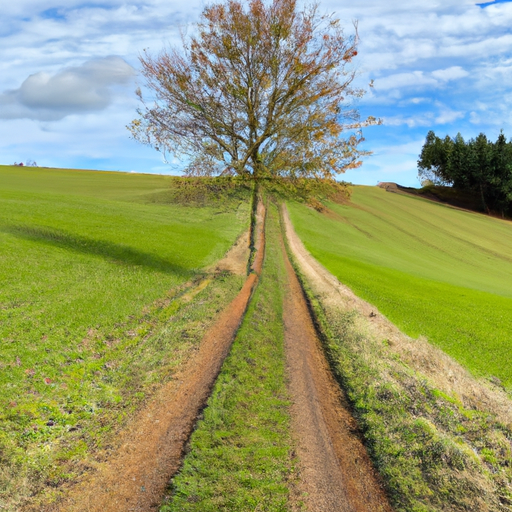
(336,473)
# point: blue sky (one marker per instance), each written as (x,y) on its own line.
(68,71)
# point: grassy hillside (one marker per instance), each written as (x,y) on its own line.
(92,266)
(431,269)
(82,255)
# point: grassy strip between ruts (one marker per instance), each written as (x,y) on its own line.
(240,454)
(433,453)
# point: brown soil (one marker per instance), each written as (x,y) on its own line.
(446,374)
(388,185)
(235,260)
(335,471)
(136,476)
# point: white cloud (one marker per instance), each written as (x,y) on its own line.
(435,63)
(474,118)
(420,79)
(412,121)
(417,101)
(399,80)
(444,116)
(451,73)
(72,90)
(447,116)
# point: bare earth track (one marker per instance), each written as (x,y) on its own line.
(336,472)
(136,477)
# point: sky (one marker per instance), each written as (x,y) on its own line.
(69,70)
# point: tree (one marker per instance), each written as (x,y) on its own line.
(434,157)
(260,92)
(480,171)
(502,176)
(459,166)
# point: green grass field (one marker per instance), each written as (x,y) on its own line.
(432,270)
(83,259)
(94,317)
(90,263)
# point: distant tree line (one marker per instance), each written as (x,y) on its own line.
(477,165)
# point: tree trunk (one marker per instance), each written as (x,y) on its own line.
(252,233)
(486,208)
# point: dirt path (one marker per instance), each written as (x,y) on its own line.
(136,477)
(336,473)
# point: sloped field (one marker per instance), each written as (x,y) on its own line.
(87,251)
(432,270)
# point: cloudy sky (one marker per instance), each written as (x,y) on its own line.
(68,71)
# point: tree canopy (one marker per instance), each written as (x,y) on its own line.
(260,91)
(477,165)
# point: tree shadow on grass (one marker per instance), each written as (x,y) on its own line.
(116,253)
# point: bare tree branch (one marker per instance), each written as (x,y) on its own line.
(262,91)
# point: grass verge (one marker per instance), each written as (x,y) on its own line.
(50,437)
(240,454)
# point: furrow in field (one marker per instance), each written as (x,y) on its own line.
(135,478)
